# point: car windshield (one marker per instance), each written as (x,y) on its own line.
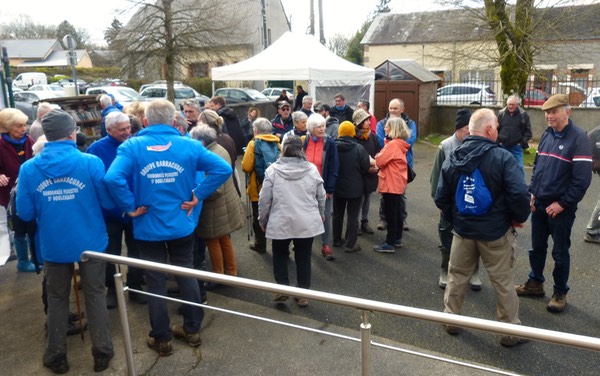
(255,94)
(182,93)
(128,95)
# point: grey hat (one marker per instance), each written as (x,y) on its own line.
(58,124)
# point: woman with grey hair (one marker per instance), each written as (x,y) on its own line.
(321,151)
(291,209)
(299,119)
(222,212)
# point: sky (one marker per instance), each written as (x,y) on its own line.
(340,16)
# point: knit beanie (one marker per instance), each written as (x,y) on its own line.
(462,118)
(57,124)
(346,129)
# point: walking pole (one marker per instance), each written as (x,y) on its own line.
(248,212)
(77,303)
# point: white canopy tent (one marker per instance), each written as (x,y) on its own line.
(302,58)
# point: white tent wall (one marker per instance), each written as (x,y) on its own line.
(301,57)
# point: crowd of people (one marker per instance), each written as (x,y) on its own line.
(165,181)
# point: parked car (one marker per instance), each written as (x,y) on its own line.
(182,92)
(108,82)
(274,92)
(124,95)
(27,79)
(59,90)
(81,84)
(160,82)
(592,99)
(466,94)
(26,101)
(241,95)
(535,97)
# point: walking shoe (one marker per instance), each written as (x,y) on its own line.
(452,330)
(557,303)
(58,365)
(353,249)
(475,282)
(302,302)
(384,248)
(510,341)
(443,281)
(531,288)
(398,243)
(280,298)
(364,226)
(592,238)
(327,253)
(73,327)
(338,243)
(163,348)
(382,226)
(101,362)
(192,339)
(259,248)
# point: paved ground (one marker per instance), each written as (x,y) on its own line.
(241,346)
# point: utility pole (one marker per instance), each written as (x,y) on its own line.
(321,32)
(312,17)
(264,25)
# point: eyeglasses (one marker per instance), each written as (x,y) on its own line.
(285,109)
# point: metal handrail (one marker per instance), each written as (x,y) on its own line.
(551,336)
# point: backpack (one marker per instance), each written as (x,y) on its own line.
(265,154)
(594,136)
(473,198)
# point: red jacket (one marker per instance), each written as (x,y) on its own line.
(393,168)
(10,165)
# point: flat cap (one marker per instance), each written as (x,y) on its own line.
(557,100)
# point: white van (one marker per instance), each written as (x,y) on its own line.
(27,79)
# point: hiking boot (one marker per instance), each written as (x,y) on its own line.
(384,248)
(302,302)
(352,249)
(192,339)
(58,365)
(443,280)
(101,362)
(557,303)
(591,238)
(259,248)
(510,341)
(163,348)
(280,298)
(364,226)
(475,282)
(327,253)
(531,288)
(382,226)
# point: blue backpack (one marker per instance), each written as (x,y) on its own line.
(265,154)
(473,198)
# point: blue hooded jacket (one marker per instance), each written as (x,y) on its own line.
(162,167)
(62,189)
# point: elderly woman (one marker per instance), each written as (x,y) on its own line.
(291,208)
(222,212)
(321,151)
(393,178)
(15,148)
(299,119)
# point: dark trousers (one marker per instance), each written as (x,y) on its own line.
(200,261)
(445,232)
(259,234)
(115,231)
(392,206)
(302,256)
(179,253)
(559,228)
(340,206)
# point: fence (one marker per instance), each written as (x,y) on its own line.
(367,306)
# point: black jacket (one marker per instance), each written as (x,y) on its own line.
(372,147)
(232,127)
(504,179)
(354,163)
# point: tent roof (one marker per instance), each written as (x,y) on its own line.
(294,57)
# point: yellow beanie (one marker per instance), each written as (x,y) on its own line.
(346,129)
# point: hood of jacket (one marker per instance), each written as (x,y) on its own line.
(346,143)
(291,168)
(468,156)
(226,113)
(54,159)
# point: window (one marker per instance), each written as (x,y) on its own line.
(199,69)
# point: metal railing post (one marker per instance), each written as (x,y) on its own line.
(365,342)
(124,324)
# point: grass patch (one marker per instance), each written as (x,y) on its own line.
(529,155)
(435,139)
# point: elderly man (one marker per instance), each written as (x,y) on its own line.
(307,103)
(36,130)
(562,173)
(153,180)
(191,111)
(299,119)
(341,110)
(107,106)
(282,122)
(490,232)
(62,190)
(117,225)
(514,131)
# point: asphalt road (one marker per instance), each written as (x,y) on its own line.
(409,277)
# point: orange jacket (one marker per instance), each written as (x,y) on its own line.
(393,168)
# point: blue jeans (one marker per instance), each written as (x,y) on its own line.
(326,237)
(179,253)
(559,228)
(517,152)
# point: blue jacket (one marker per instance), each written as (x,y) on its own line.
(106,149)
(162,167)
(331,162)
(62,189)
(412,126)
(562,170)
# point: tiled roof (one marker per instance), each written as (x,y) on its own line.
(30,48)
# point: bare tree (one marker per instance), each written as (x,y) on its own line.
(23,27)
(338,44)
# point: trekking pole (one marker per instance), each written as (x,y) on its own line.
(77,303)
(248,212)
